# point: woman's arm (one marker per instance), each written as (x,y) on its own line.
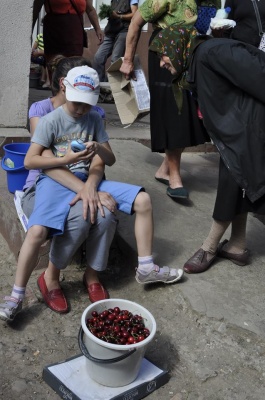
(132,39)
(93,18)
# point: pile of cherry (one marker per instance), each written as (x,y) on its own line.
(117,326)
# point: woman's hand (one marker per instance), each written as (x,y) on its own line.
(93,201)
(127,68)
(100,35)
(108,201)
(89,195)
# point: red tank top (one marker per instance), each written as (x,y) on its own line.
(65,6)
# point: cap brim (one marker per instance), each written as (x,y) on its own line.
(81,97)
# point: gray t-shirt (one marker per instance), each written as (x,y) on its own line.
(56,129)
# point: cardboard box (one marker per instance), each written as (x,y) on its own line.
(70,380)
(131,97)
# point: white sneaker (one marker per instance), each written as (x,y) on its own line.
(159,275)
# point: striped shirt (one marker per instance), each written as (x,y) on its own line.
(39,41)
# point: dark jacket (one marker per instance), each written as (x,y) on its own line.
(228,78)
(115,25)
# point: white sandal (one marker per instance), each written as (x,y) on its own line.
(8,311)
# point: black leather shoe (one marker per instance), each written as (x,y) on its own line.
(199,262)
(238,259)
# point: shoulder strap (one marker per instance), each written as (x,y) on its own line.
(50,7)
(74,6)
(77,12)
(258,17)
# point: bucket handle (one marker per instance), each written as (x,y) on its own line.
(99,360)
(6,168)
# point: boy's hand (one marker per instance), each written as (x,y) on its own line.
(72,157)
(92,147)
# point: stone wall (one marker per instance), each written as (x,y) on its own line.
(15,44)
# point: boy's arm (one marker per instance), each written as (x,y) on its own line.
(64,175)
(105,152)
(35,160)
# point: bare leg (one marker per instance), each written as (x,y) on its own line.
(147,271)
(163,170)
(144,226)
(51,277)
(26,263)
(29,252)
(43,74)
(91,276)
(174,158)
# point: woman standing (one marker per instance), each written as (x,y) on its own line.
(63,27)
(171,131)
(227,75)
(234,115)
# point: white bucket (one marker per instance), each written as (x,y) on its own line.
(114,364)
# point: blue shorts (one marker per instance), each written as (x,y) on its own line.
(123,193)
(51,206)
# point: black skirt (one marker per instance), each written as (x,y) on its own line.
(230,198)
(63,34)
(169,129)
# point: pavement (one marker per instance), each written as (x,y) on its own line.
(221,310)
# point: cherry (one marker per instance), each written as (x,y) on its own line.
(117,326)
(94,314)
(130,339)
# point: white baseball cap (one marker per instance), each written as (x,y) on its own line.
(82,85)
